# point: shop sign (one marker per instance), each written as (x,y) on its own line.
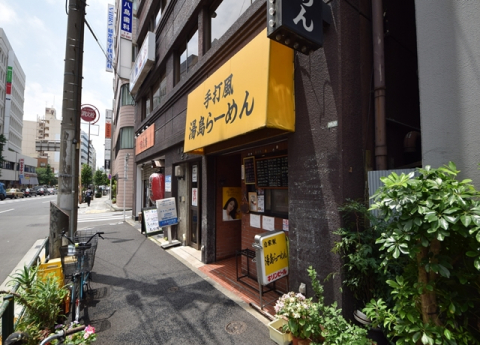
(167,212)
(126,19)
(253,90)
(21,166)
(108,130)
(110,32)
(145,140)
(143,63)
(88,114)
(271,256)
(297,24)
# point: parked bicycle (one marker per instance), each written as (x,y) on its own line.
(21,338)
(62,335)
(77,262)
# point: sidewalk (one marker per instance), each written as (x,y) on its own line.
(143,294)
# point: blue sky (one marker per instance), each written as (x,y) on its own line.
(37,30)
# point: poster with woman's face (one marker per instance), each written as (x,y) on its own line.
(231,198)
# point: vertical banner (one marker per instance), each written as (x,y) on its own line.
(126,20)
(9,80)
(110,32)
(108,138)
(21,167)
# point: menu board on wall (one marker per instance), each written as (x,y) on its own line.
(272,172)
(249,167)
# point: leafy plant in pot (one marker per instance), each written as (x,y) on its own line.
(433,222)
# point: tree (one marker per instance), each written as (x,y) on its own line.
(45,176)
(3,140)
(100,178)
(433,220)
(86,175)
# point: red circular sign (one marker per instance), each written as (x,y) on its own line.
(88,114)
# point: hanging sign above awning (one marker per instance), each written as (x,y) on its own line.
(251,91)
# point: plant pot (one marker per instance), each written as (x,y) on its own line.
(298,341)
(276,333)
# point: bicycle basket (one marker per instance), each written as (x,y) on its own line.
(71,264)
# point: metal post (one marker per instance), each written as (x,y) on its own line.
(67,198)
(125,176)
(8,317)
(88,147)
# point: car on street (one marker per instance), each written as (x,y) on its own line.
(40,190)
(14,193)
(51,191)
(29,192)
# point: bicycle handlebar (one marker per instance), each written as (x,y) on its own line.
(83,244)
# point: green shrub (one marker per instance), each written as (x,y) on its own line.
(433,221)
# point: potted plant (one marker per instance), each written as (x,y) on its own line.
(433,222)
(298,312)
(314,322)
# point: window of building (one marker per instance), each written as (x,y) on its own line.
(148,106)
(125,96)
(222,15)
(158,18)
(126,138)
(159,90)
(188,56)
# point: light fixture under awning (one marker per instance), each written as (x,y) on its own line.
(252,91)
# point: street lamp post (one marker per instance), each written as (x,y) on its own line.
(125,177)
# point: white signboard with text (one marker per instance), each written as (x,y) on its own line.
(167,212)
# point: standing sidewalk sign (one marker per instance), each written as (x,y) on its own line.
(150,223)
(271,252)
(167,216)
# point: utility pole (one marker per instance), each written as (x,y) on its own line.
(68,176)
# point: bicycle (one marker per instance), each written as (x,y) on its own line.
(77,262)
(62,335)
(19,338)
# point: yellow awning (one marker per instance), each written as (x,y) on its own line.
(252,91)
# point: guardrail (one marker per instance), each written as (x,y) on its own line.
(7,310)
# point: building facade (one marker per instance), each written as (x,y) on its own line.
(223,112)
(12,90)
(42,137)
(88,154)
(122,143)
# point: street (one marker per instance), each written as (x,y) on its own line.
(24,221)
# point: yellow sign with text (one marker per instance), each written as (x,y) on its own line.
(274,256)
(253,90)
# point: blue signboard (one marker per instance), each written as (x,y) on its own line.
(110,32)
(126,22)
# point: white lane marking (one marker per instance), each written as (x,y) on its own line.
(7,210)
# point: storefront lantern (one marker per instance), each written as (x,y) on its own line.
(157,187)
